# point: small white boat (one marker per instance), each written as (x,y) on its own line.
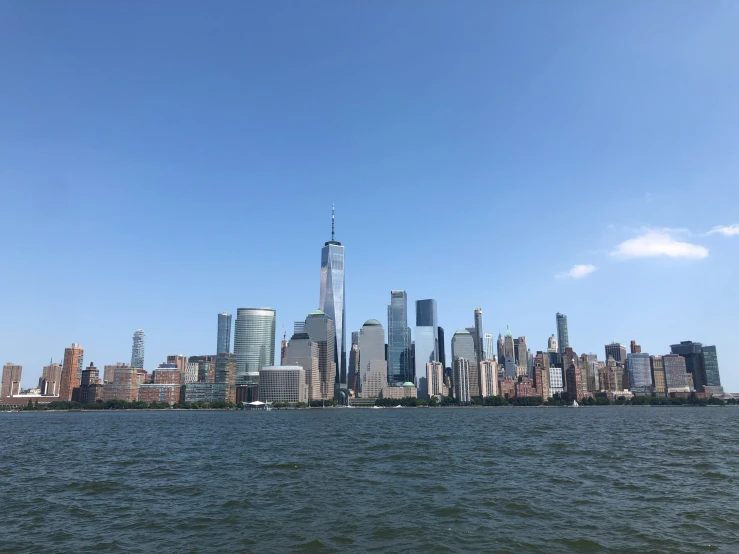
(575,404)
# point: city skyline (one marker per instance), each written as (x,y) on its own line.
(633,143)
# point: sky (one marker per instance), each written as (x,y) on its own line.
(164,162)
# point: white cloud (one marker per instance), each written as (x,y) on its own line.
(726,230)
(577,272)
(659,242)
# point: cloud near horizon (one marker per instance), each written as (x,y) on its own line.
(658,242)
(577,272)
(726,230)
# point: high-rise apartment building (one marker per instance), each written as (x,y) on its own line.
(178,360)
(254,339)
(634,348)
(427,337)
(676,373)
(563,335)
(320,329)
(71,371)
(11,380)
(552,344)
(398,340)
(353,369)
(302,351)
(657,366)
(51,376)
(488,378)
(372,364)
(332,299)
(137,350)
(640,373)
(224,334)
(109,371)
(462,380)
(617,351)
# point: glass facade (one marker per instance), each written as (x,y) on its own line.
(640,372)
(331,300)
(427,337)
(320,329)
(224,334)
(398,340)
(710,364)
(563,336)
(617,350)
(137,351)
(692,352)
(676,374)
(254,339)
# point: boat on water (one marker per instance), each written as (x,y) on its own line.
(575,404)
(377,407)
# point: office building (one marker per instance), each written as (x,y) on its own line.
(478,336)
(283,384)
(178,360)
(320,329)
(442,347)
(137,350)
(509,347)
(353,369)
(676,374)
(51,376)
(702,364)
(489,352)
(640,372)
(617,351)
(405,390)
(226,374)
(710,367)
(563,336)
(223,344)
(463,346)
(332,299)
(427,337)
(254,339)
(371,345)
(657,367)
(552,344)
(303,352)
(11,380)
(634,348)
(71,372)
(398,339)
(556,381)
(91,389)
(461,379)
(521,352)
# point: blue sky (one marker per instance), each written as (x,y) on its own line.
(162,162)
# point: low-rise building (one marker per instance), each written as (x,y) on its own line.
(282,384)
(407,390)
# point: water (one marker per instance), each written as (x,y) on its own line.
(420,480)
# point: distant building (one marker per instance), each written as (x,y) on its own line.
(374,379)
(617,351)
(520,350)
(223,343)
(178,360)
(556,381)
(51,376)
(91,389)
(303,352)
(657,366)
(463,346)
(226,373)
(398,339)
(71,372)
(563,335)
(427,337)
(489,352)
(552,344)
(137,350)
(489,378)
(702,364)
(442,347)
(406,390)
(11,380)
(190,375)
(640,373)
(676,374)
(109,371)
(353,369)
(282,384)
(461,379)
(371,346)
(205,392)
(434,379)
(635,348)
(478,336)
(254,339)
(320,329)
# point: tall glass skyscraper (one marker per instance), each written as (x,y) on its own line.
(224,333)
(331,300)
(479,342)
(254,339)
(137,351)
(702,363)
(398,339)
(640,375)
(563,337)
(427,336)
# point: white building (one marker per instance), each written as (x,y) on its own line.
(190,375)
(556,381)
(489,378)
(374,379)
(462,380)
(282,384)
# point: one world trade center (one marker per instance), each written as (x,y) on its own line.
(332,298)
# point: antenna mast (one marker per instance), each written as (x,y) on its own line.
(332,223)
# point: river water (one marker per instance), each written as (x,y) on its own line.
(618,479)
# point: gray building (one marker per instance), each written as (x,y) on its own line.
(320,329)
(462,380)
(371,347)
(332,298)
(303,352)
(254,339)
(639,369)
(224,334)
(427,337)
(521,351)
(479,336)
(282,384)
(702,363)
(617,351)
(463,346)
(563,335)
(676,373)
(137,351)
(398,340)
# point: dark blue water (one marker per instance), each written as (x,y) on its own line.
(420,480)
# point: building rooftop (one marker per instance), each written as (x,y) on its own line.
(371,322)
(461,332)
(316,312)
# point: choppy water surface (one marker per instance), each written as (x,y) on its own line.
(423,480)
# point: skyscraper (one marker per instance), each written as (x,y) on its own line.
(442,347)
(640,372)
(676,373)
(224,334)
(552,344)
(521,351)
(618,351)
(488,350)
(462,380)
(137,351)
(320,329)
(11,380)
(427,337)
(563,337)
(303,352)
(372,364)
(479,343)
(702,363)
(352,375)
(71,371)
(398,340)
(332,300)
(463,346)
(51,375)
(254,339)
